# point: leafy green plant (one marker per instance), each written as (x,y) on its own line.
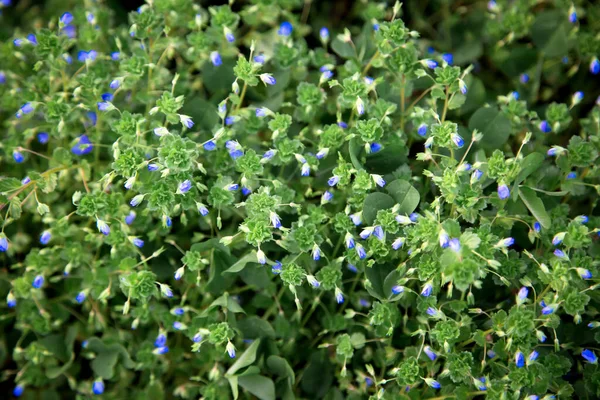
(254,201)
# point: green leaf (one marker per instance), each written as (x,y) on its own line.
(241,263)
(342,49)
(375,202)
(377,277)
(9,184)
(255,328)
(279,366)
(246,359)
(107,356)
(226,302)
(404,194)
(233,382)
(15,207)
(535,205)
(494,126)
(549,33)
(529,165)
(354,150)
(260,386)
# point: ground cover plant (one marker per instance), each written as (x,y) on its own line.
(282,199)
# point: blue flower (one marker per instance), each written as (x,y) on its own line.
(339,296)
(559,253)
(573,16)
(232,187)
(397,289)
(448,57)
(515,95)
(422,130)
(524,78)
(202,209)
(458,140)
(477,174)
(342,124)
(130,218)
(427,289)
(115,55)
(43,137)
(103,106)
(444,239)
(326,75)
(584,273)
(230,37)
(327,196)
(571,175)
(82,146)
(185,186)
(595,66)
(324,34)
(25,180)
(18,390)
(276,268)
(45,237)
(519,359)
(178,311)
(2,77)
(533,356)
(379,233)
(503,192)
(210,145)
(98,387)
(32,39)
(261,112)
(161,350)
(523,293)
(589,356)
(275,220)
(454,245)
(103,227)
(178,325)
(11,300)
(84,56)
(316,252)
(137,242)
(360,250)
(259,59)
(186,121)
(215,58)
(197,338)
(18,156)
(429,63)
(375,147)
(285,29)
(66,18)
(547,310)
(545,127)
(430,353)
(507,242)
(92,117)
(246,191)
(114,84)
(399,242)
(433,383)
(107,96)
(229,120)
(38,282)
(80,298)
(375,27)
(267,79)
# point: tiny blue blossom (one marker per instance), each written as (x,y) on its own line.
(80,298)
(285,29)
(324,34)
(519,359)
(589,356)
(503,192)
(430,353)
(427,289)
(545,127)
(38,282)
(595,66)
(397,289)
(215,58)
(45,237)
(18,390)
(98,387)
(422,130)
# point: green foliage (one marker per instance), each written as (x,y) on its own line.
(233,203)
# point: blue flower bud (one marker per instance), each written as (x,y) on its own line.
(559,253)
(259,59)
(571,175)
(454,245)
(503,192)
(18,390)
(32,39)
(595,66)
(11,300)
(541,336)
(572,16)
(458,141)
(38,282)
(427,289)
(333,180)
(115,55)
(547,310)
(43,137)
(137,242)
(515,95)
(103,227)
(83,56)
(267,79)
(130,218)
(202,209)
(327,196)
(179,311)
(161,350)
(444,239)
(285,29)
(491,353)
(545,127)
(477,174)
(339,296)
(197,338)
(350,243)
(352,268)
(45,237)
(584,273)
(375,27)
(179,273)
(430,353)
(422,130)
(342,124)
(25,180)
(326,75)
(397,289)
(178,325)
(533,356)
(360,250)
(356,218)
(524,78)
(215,58)
(316,252)
(80,298)
(276,268)
(82,146)
(375,147)
(275,221)
(378,179)
(433,383)
(379,233)
(589,356)
(261,112)
(185,186)
(519,359)
(98,387)
(448,57)
(399,242)
(324,34)
(523,293)
(431,64)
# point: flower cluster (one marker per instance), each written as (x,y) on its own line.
(267,204)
